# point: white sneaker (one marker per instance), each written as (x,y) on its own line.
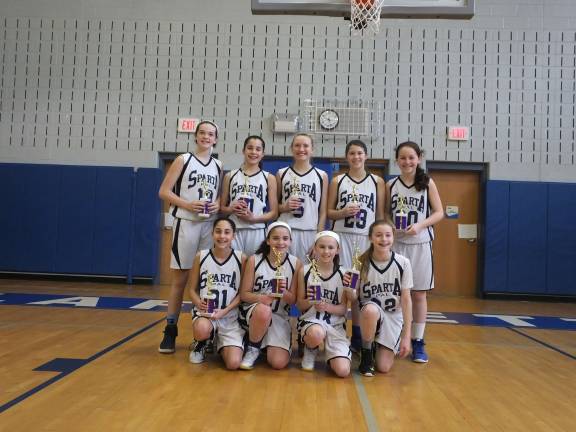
(197,355)
(309,358)
(250,358)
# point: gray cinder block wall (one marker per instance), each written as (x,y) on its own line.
(103,82)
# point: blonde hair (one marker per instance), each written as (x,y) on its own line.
(367,256)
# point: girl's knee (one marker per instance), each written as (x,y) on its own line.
(342,370)
(369,311)
(278,361)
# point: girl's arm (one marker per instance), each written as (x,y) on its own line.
(348,210)
(165,193)
(225,205)
(387,202)
(335,309)
(406,302)
(270,215)
(290,294)
(214,206)
(246,293)
(380,197)
(323,204)
(194,285)
(437,211)
(301,302)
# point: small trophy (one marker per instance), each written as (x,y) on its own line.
(355,199)
(210,297)
(401,218)
(354,272)
(314,287)
(245,194)
(295,193)
(277,281)
(205,213)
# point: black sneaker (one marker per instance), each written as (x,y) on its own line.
(366,367)
(168,344)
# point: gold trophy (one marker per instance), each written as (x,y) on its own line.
(209,296)
(276,283)
(205,213)
(245,194)
(355,200)
(354,272)
(314,287)
(295,193)
(401,217)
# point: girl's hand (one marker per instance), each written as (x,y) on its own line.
(218,314)
(214,207)
(414,229)
(238,207)
(246,215)
(195,206)
(347,278)
(351,209)
(294,203)
(404,347)
(203,306)
(321,307)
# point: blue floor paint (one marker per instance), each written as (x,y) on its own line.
(62,365)
(154,305)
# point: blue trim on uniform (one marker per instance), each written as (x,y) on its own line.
(67,366)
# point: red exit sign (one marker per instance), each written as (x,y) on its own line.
(458,133)
(187,124)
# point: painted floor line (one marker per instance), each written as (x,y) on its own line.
(547,345)
(371,422)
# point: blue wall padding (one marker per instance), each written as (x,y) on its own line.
(147,214)
(113,203)
(561,262)
(76,208)
(527,237)
(79,220)
(28,217)
(496,236)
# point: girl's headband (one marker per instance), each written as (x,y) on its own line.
(278,224)
(327,234)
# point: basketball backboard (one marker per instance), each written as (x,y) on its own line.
(457,9)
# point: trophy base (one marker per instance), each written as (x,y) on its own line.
(203,215)
(276,295)
(205,314)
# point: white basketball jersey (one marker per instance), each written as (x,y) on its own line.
(332,291)
(309,187)
(226,277)
(257,188)
(264,272)
(416,206)
(366,197)
(384,283)
(189,184)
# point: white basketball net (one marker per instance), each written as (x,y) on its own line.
(365,16)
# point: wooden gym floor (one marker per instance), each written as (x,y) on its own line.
(97,369)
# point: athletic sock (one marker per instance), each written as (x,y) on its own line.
(367,345)
(172,319)
(356,333)
(418,330)
(255,344)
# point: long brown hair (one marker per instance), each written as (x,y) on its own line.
(367,256)
(421,179)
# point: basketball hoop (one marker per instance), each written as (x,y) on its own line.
(365,16)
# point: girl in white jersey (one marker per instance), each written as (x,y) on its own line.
(384,295)
(246,193)
(416,196)
(191,179)
(302,194)
(218,269)
(355,200)
(266,317)
(324,321)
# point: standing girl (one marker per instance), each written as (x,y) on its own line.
(324,319)
(266,317)
(414,195)
(191,186)
(214,288)
(356,199)
(385,304)
(246,192)
(302,193)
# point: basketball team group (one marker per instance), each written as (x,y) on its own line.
(250,245)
